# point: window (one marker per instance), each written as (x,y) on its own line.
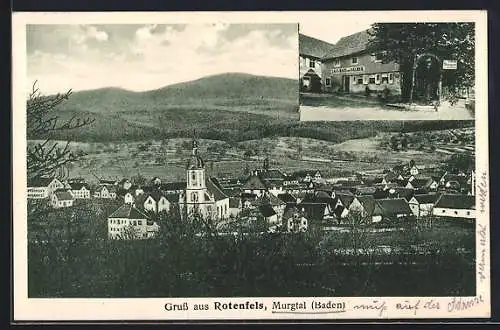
(193,178)
(444,211)
(456,212)
(377,79)
(150,202)
(312,63)
(391,78)
(194,197)
(328,82)
(336,62)
(468,212)
(371,80)
(354,60)
(385,78)
(360,80)
(365,79)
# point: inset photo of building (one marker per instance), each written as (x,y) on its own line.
(387,71)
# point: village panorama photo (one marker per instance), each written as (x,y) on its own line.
(168,160)
(387,71)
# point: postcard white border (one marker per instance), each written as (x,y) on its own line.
(26,309)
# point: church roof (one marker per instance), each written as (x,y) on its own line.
(129,212)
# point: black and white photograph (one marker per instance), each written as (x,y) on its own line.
(387,71)
(181,171)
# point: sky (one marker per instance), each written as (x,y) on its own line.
(332,31)
(146,57)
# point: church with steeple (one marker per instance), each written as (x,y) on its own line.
(203,196)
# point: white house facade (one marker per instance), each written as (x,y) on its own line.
(127,222)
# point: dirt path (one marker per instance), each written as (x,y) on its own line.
(322,113)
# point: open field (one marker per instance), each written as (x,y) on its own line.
(167,158)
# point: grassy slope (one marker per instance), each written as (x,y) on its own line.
(230,107)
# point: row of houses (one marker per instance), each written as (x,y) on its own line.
(290,201)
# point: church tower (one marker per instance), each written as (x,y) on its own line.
(195,178)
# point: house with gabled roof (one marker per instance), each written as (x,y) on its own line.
(43,187)
(422,204)
(274,202)
(254,185)
(62,198)
(106,192)
(344,201)
(154,201)
(393,209)
(352,66)
(318,206)
(80,190)
(311,50)
(455,206)
(127,222)
(365,206)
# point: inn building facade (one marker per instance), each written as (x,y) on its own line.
(352,67)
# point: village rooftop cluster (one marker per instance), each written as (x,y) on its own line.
(286,202)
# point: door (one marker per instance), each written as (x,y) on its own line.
(346,84)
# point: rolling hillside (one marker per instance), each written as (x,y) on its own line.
(230,107)
(240,92)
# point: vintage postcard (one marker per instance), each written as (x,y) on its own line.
(250,166)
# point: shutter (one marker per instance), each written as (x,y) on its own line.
(365,79)
(377,79)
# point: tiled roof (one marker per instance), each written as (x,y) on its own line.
(368,202)
(456,201)
(156,195)
(129,212)
(172,198)
(355,43)
(426,198)
(268,199)
(78,185)
(421,182)
(366,190)
(346,199)
(310,46)
(63,195)
(214,189)
(232,192)
(254,182)
(394,206)
(266,210)
(287,198)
